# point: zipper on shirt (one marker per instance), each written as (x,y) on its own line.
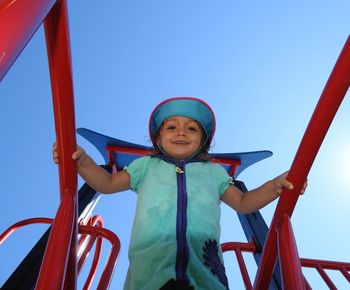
(178,170)
(181,226)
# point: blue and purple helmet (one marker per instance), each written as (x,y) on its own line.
(189,107)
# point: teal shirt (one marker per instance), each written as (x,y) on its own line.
(153,245)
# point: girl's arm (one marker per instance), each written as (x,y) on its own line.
(94,175)
(254,200)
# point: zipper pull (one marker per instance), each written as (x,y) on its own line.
(178,170)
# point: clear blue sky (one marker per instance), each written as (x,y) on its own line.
(262,66)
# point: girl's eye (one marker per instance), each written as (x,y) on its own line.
(193,129)
(171,127)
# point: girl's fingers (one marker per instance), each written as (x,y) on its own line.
(55,153)
(288,185)
(77,154)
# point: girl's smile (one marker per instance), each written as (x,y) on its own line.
(180,137)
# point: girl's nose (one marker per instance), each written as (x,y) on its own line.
(181,131)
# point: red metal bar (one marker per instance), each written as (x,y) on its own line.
(238,248)
(59,55)
(85,244)
(94,264)
(330,100)
(95,221)
(331,265)
(96,258)
(243,269)
(61,248)
(344,268)
(137,151)
(18,22)
(71,274)
(245,247)
(345,273)
(112,257)
(54,263)
(91,231)
(63,263)
(5,235)
(325,277)
(86,241)
(232,163)
(307,285)
(292,278)
(82,241)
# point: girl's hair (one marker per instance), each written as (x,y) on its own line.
(202,155)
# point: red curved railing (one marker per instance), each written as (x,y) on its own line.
(330,100)
(6,234)
(90,240)
(93,233)
(107,273)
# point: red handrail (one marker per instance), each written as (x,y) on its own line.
(53,267)
(4,236)
(321,265)
(86,230)
(238,248)
(330,100)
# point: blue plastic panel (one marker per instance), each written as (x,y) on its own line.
(101,141)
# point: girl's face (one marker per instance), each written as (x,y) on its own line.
(180,137)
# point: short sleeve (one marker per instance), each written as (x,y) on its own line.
(222,178)
(137,170)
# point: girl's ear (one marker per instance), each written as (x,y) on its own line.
(157,141)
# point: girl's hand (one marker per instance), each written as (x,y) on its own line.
(304,187)
(281,181)
(55,153)
(78,155)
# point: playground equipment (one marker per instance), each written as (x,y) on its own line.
(55,256)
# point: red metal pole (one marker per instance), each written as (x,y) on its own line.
(292,278)
(330,100)
(325,277)
(19,19)
(243,269)
(345,274)
(60,260)
(53,267)
(59,55)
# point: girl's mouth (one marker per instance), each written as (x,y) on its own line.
(180,142)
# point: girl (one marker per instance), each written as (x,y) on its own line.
(175,236)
